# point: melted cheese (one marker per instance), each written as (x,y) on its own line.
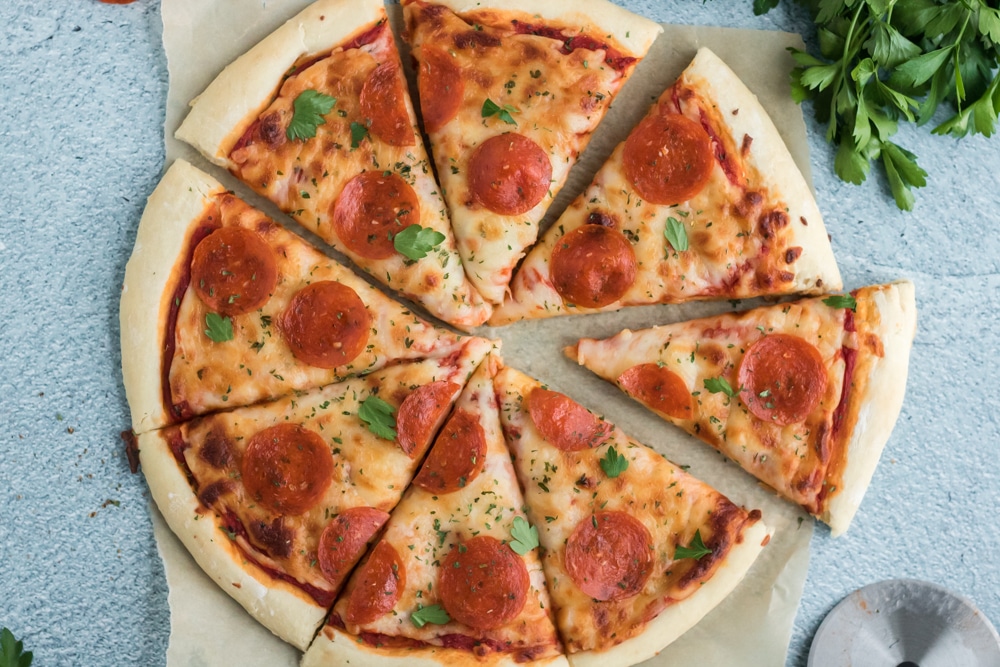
(257,363)
(305,178)
(424,528)
(559,99)
(792,459)
(368,471)
(563,489)
(747,229)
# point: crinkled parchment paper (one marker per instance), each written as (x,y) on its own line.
(753,625)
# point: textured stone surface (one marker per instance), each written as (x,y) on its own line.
(81,112)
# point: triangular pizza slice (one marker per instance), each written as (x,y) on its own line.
(318,119)
(802,395)
(635,550)
(510,91)
(277,502)
(701,201)
(455,578)
(223,307)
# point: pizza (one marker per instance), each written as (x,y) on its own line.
(278,501)
(223,307)
(701,201)
(802,395)
(455,577)
(635,550)
(377,489)
(510,91)
(318,119)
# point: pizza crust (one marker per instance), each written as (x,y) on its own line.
(336,648)
(230,104)
(678,618)
(180,197)
(282,608)
(632,32)
(880,400)
(816,271)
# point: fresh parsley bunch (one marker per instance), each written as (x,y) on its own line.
(884,61)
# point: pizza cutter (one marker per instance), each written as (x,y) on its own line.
(905,623)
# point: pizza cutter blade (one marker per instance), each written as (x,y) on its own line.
(905,623)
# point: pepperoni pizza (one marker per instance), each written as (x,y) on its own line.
(510,91)
(701,201)
(455,578)
(317,118)
(222,307)
(635,550)
(802,395)
(277,502)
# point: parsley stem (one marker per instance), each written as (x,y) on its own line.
(959,86)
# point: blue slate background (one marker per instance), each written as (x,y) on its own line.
(82,90)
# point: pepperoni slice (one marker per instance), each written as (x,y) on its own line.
(659,388)
(565,423)
(380,582)
(233,270)
(421,413)
(668,158)
(593,266)
(343,541)
(509,174)
(441,86)
(783,378)
(372,208)
(483,583)
(457,457)
(609,556)
(287,468)
(326,324)
(383,104)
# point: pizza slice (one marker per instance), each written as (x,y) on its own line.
(455,578)
(802,395)
(223,307)
(510,92)
(318,119)
(701,201)
(635,550)
(277,502)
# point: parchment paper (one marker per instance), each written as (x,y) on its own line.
(752,626)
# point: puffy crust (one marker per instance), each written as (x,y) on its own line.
(335,648)
(632,32)
(879,395)
(282,608)
(678,618)
(223,112)
(816,271)
(181,196)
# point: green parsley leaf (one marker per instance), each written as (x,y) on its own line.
(696,549)
(220,329)
(525,536)
(884,62)
(359,132)
(380,417)
(491,108)
(434,614)
(613,463)
(416,241)
(12,653)
(720,385)
(308,110)
(676,234)
(763,6)
(841,301)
